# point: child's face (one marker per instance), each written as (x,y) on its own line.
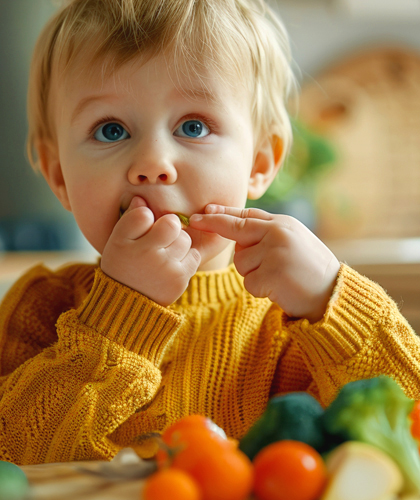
(136,134)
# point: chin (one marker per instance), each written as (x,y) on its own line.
(212,248)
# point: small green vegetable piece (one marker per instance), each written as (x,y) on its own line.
(376,411)
(184,219)
(14,484)
(292,416)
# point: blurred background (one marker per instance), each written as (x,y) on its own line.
(30,216)
(354,173)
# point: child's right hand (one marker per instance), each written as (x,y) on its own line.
(154,258)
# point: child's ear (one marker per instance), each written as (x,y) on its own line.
(266,165)
(49,162)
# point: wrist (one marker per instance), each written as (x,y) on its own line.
(331,274)
(127,317)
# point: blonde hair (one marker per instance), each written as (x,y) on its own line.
(237,39)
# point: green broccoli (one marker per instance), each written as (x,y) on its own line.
(292,416)
(376,411)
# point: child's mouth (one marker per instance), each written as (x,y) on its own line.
(185,221)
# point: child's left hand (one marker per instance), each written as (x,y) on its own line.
(278,256)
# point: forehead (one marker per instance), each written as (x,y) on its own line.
(159,76)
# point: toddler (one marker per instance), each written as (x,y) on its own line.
(140,110)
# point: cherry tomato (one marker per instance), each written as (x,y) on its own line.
(289,470)
(415,417)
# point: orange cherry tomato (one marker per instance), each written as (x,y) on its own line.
(174,431)
(171,484)
(179,434)
(221,471)
(415,417)
(289,470)
(196,446)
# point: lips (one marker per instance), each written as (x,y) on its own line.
(157,213)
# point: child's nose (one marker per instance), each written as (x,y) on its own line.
(153,164)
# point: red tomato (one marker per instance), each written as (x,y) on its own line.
(180,433)
(289,470)
(415,417)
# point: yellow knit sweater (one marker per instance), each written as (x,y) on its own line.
(88,364)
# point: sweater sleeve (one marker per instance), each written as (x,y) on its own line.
(76,385)
(362,335)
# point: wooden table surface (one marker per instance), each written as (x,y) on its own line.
(72,480)
(65,481)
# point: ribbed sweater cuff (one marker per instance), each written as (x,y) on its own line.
(127,317)
(355,311)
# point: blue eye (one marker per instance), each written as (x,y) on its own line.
(192,128)
(111,132)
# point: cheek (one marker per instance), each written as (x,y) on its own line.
(230,193)
(229,183)
(92,207)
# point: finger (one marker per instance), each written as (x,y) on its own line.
(246,232)
(136,202)
(165,231)
(180,247)
(191,261)
(136,221)
(248,259)
(243,213)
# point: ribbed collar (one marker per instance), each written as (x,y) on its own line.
(212,287)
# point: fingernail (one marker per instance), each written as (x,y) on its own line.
(196,218)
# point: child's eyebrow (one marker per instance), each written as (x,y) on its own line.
(200,94)
(87,100)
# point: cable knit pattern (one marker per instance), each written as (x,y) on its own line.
(88,365)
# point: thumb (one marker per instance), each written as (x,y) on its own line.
(136,202)
(136,220)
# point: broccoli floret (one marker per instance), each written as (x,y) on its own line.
(292,416)
(376,411)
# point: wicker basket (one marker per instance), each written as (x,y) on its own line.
(369,106)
